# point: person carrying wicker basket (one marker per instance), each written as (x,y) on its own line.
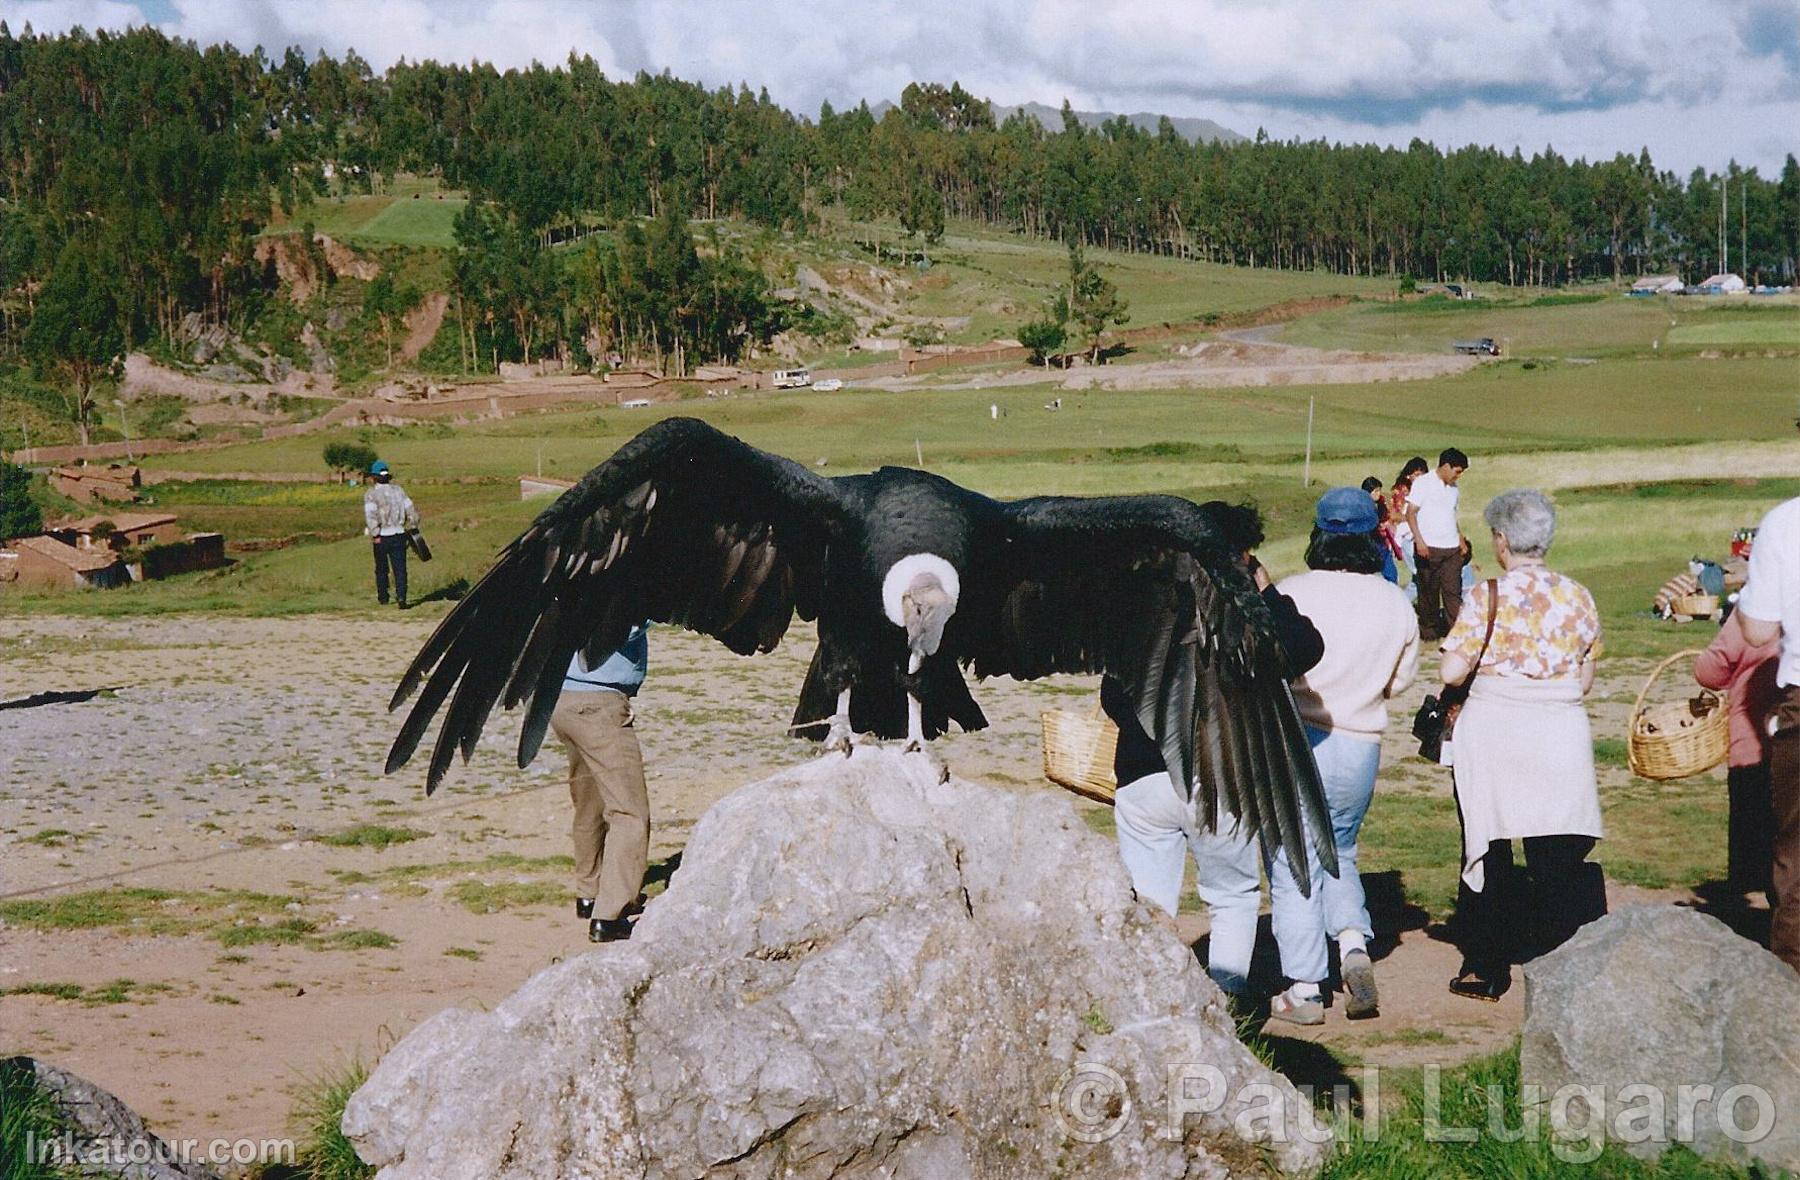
(1769,608)
(1523,754)
(1746,675)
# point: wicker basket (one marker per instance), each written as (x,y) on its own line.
(1078,752)
(1679,738)
(1695,606)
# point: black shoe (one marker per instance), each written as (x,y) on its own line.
(1483,986)
(609,930)
(584,907)
(404,605)
(381,602)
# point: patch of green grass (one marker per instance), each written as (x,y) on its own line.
(376,836)
(286,932)
(356,940)
(28,1117)
(1415,834)
(1610,752)
(1408,1036)
(1761,332)
(463,952)
(1095,1019)
(324,1153)
(49,837)
(483,897)
(1481,1094)
(118,991)
(56,991)
(91,910)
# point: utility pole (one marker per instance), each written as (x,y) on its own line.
(1306,473)
(1724,237)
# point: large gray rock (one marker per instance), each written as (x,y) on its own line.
(858,971)
(101,1135)
(1685,1032)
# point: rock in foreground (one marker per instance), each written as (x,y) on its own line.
(1669,1017)
(857,972)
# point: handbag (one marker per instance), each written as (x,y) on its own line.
(1436,717)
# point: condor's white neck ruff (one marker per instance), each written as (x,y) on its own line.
(901,575)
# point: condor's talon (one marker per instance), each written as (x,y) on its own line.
(838,741)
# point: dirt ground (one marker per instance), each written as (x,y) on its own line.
(233,747)
(1248,358)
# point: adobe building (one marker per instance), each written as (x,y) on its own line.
(48,562)
(113,484)
(117,531)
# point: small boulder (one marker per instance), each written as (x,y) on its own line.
(858,971)
(1682,1031)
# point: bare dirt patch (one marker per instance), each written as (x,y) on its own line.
(263,954)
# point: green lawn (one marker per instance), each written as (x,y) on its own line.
(1614,326)
(1000,280)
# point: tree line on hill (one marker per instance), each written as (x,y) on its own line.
(137,171)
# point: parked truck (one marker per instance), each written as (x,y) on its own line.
(1482,347)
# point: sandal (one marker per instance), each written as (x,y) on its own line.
(1476,985)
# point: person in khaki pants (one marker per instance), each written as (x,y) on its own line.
(594,718)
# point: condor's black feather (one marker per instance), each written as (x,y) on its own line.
(686,525)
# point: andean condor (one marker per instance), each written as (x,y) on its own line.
(911,579)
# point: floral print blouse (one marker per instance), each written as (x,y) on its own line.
(1546,626)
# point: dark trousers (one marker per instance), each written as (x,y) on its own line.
(1749,841)
(1440,592)
(1784,803)
(1521,913)
(390,551)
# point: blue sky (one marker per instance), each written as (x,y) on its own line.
(1699,82)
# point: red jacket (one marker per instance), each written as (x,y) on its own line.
(1747,675)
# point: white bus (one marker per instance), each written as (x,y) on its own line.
(792,378)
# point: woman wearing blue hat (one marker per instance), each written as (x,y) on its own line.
(1371,638)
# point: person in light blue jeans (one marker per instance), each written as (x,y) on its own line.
(1371,639)
(1159,826)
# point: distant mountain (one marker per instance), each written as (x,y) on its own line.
(1191,130)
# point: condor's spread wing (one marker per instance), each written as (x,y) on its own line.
(1143,589)
(682,525)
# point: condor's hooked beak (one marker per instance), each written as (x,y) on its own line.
(926,606)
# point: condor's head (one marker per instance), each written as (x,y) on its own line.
(918,595)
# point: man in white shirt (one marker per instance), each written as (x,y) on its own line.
(1437,544)
(1769,607)
(388,515)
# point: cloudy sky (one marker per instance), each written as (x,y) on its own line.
(1700,82)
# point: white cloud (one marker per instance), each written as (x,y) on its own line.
(1591,76)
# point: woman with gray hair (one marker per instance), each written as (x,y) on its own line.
(1523,754)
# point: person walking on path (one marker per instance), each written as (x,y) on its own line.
(611,830)
(1769,607)
(1158,828)
(1371,654)
(1523,756)
(388,516)
(1747,677)
(1437,544)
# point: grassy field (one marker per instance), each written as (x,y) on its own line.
(1611,326)
(409,212)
